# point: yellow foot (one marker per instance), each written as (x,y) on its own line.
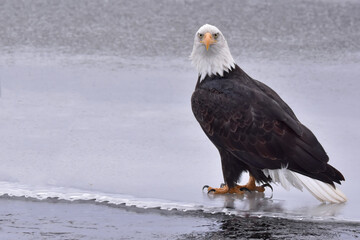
(240,189)
(251,188)
(223,190)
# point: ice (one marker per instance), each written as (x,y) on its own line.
(100,103)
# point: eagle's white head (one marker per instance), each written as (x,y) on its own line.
(211,54)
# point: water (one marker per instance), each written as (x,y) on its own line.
(95,99)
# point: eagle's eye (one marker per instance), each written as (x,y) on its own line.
(216,35)
(200,35)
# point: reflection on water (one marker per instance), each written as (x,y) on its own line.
(254,201)
(257,204)
(278,228)
(325,210)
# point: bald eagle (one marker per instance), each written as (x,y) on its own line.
(254,130)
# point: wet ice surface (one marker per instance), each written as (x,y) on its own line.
(97,106)
(132,132)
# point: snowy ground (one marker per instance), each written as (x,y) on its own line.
(95,99)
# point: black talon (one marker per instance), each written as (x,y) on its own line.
(244,189)
(211,190)
(205,186)
(268,185)
(222,185)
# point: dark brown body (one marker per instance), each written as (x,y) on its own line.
(254,129)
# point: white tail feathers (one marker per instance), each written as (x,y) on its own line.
(324,192)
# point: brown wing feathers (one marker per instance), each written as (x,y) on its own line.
(254,125)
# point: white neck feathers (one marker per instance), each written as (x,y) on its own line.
(216,60)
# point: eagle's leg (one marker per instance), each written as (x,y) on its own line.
(224,189)
(251,186)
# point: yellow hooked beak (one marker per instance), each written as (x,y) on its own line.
(208,40)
